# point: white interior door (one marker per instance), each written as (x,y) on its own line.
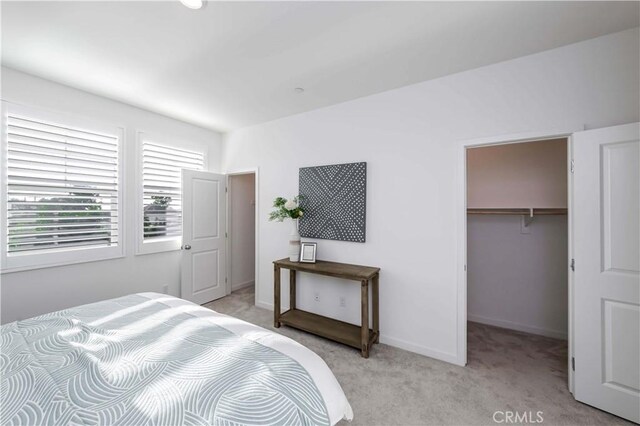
(607,268)
(203,236)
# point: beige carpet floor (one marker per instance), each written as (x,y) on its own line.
(506,371)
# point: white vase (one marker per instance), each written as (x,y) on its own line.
(294,242)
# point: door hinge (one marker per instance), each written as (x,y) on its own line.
(572,166)
(572,265)
(226,235)
(225,280)
(573,364)
(227,189)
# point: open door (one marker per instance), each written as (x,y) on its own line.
(203,236)
(607,269)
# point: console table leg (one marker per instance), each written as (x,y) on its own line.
(276,296)
(364,334)
(292,289)
(375,306)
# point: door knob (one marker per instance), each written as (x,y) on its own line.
(186,247)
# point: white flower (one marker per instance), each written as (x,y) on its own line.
(299,214)
(290,205)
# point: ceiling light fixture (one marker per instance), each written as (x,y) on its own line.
(298,90)
(192,4)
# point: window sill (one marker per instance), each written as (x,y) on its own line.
(26,268)
(158,246)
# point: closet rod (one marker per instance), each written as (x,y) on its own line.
(518,211)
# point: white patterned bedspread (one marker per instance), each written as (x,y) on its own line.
(152,359)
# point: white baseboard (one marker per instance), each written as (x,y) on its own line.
(556,334)
(263,305)
(239,286)
(269,306)
(421,350)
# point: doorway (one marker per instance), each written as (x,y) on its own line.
(241,228)
(517,263)
(517,237)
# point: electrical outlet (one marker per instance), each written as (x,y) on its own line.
(165,289)
(317,297)
(343,302)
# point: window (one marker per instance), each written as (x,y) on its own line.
(61,192)
(162,199)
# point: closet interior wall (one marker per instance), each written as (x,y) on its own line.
(517,272)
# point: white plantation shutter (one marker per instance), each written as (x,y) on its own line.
(162,198)
(62,187)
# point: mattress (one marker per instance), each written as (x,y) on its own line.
(153,359)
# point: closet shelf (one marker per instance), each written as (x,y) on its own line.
(518,211)
(527,214)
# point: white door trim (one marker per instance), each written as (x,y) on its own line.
(255,172)
(570,256)
(461,228)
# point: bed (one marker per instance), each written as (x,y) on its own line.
(153,359)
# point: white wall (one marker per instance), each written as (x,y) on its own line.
(242,226)
(410,139)
(29,293)
(515,280)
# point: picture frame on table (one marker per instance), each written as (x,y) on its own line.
(308,252)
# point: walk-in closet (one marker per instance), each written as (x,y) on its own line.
(517,255)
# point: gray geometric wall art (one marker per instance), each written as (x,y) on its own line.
(334,199)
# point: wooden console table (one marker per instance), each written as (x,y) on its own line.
(361,337)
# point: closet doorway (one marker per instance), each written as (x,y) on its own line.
(517,258)
(241,232)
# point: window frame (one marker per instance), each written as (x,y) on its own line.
(66,256)
(166,244)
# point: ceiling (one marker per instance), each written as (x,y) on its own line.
(235,64)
